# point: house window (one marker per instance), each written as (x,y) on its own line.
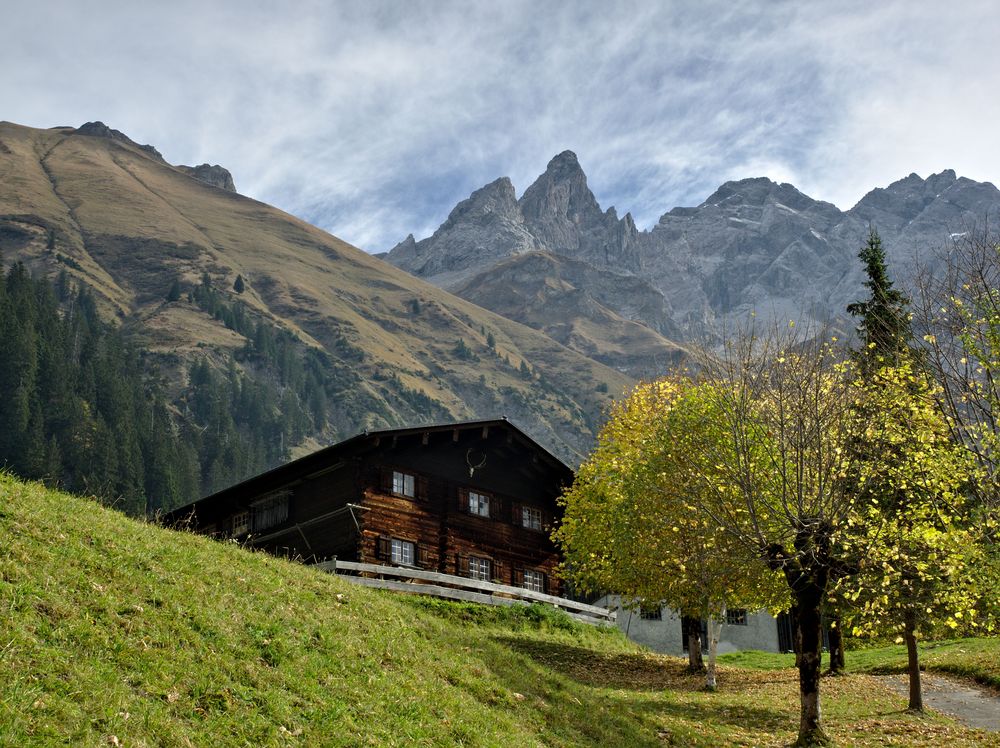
(651,614)
(534,580)
(736,617)
(403,552)
(479,568)
(402,484)
(531,518)
(270,511)
(240,523)
(479,503)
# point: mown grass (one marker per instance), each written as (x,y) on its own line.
(117,632)
(974,659)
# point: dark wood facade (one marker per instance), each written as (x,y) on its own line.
(472,499)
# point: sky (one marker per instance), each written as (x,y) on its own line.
(372,119)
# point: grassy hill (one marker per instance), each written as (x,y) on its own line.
(117,632)
(128,225)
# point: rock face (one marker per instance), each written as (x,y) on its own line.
(558,213)
(213,175)
(101,130)
(753,247)
(614,318)
(552,260)
(482,230)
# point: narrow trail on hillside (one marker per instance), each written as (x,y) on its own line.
(971,705)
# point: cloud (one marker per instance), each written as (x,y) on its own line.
(372,119)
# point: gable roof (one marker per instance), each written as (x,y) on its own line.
(325,459)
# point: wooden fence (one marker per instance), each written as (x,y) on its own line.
(420,582)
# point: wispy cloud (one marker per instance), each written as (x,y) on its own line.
(372,119)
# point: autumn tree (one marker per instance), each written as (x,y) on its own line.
(911,517)
(631,524)
(786,407)
(884,340)
(957,313)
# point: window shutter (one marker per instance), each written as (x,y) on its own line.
(423,556)
(497,571)
(385,482)
(421,488)
(515,513)
(461,565)
(463,500)
(545,583)
(518,577)
(384,548)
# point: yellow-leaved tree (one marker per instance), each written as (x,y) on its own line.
(913,529)
(635,522)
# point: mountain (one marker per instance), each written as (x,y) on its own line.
(582,276)
(555,261)
(160,247)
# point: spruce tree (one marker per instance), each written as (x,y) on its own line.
(884,322)
(239,286)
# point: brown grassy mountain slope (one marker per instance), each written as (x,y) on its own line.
(128,225)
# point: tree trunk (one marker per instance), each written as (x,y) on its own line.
(913,662)
(810,660)
(693,629)
(837,664)
(714,632)
(796,634)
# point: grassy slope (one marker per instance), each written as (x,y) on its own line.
(131,224)
(117,629)
(976,659)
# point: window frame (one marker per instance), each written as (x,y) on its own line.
(537,583)
(400,557)
(404,478)
(239,523)
(476,567)
(482,505)
(737,617)
(527,514)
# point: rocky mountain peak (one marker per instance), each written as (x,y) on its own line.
(560,209)
(214,175)
(902,201)
(485,227)
(564,165)
(98,129)
(496,197)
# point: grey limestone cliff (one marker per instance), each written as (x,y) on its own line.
(556,261)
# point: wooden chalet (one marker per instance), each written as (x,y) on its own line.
(474,499)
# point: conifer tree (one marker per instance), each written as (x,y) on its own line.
(884,320)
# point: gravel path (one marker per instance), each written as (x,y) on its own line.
(969,704)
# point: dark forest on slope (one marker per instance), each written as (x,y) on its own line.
(83,409)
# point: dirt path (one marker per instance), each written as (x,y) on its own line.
(969,704)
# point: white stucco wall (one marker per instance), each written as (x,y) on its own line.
(761,631)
